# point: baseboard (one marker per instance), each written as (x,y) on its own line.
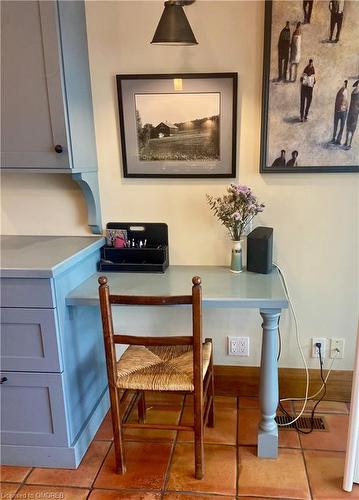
(244,381)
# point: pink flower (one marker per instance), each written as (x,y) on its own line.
(243,189)
(236,208)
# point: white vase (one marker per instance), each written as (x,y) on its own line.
(236,261)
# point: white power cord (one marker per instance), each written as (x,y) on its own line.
(322,386)
(305,399)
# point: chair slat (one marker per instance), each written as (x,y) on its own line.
(207,409)
(206,382)
(143,300)
(169,427)
(153,341)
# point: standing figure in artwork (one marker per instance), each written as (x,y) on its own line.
(340,112)
(307,9)
(352,119)
(280,161)
(293,162)
(306,90)
(283,52)
(295,52)
(336,8)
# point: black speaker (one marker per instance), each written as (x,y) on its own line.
(260,250)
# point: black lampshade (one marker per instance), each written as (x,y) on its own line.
(174,28)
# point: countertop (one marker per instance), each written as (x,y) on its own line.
(43,256)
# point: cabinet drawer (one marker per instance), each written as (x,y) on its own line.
(27,292)
(32,409)
(29,340)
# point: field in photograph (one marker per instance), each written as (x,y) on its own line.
(184,145)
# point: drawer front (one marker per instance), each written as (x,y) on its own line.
(32,409)
(29,340)
(27,292)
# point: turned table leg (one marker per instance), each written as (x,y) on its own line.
(268,391)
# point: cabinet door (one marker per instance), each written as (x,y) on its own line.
(33,120)
(29,340)
(32,409)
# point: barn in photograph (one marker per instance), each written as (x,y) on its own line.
(165,129)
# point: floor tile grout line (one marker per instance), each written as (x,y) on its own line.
(325,450)
(127,490)
(254,445)
(58,485)
(64,486)
(87,487)
(274,498)
(200,494)
(169,441)
(28,474)
(101,465)
(187,443)
(174,442)
(23,482)
(298,448)
(19,486)
(240,497)
(307,474)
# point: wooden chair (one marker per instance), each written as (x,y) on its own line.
(176,363)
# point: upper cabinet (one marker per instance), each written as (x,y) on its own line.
(47,118)
(46,115)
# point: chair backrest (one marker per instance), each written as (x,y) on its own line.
(111,338)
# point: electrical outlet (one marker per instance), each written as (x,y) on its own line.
(238,346)
(323,343)
(337,344)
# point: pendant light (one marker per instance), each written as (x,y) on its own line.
(174,28)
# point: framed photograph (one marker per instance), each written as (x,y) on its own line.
(178,125)
(310,87)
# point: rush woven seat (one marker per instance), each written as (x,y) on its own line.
(159,368)
(173,363)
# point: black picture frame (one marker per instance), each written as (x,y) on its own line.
(270,48)
(223,163)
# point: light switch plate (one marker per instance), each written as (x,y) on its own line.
(334,345)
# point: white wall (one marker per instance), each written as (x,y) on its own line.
(315,216)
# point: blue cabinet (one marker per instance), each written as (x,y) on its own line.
(52,357)
(46,113)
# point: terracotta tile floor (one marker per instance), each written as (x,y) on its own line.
(160,464)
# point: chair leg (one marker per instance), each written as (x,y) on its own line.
(198,435)
(211,418)
(141,408)
(120,466)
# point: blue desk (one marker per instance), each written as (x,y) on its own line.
(221,288)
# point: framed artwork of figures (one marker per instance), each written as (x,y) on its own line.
(310,109)
(178,125)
